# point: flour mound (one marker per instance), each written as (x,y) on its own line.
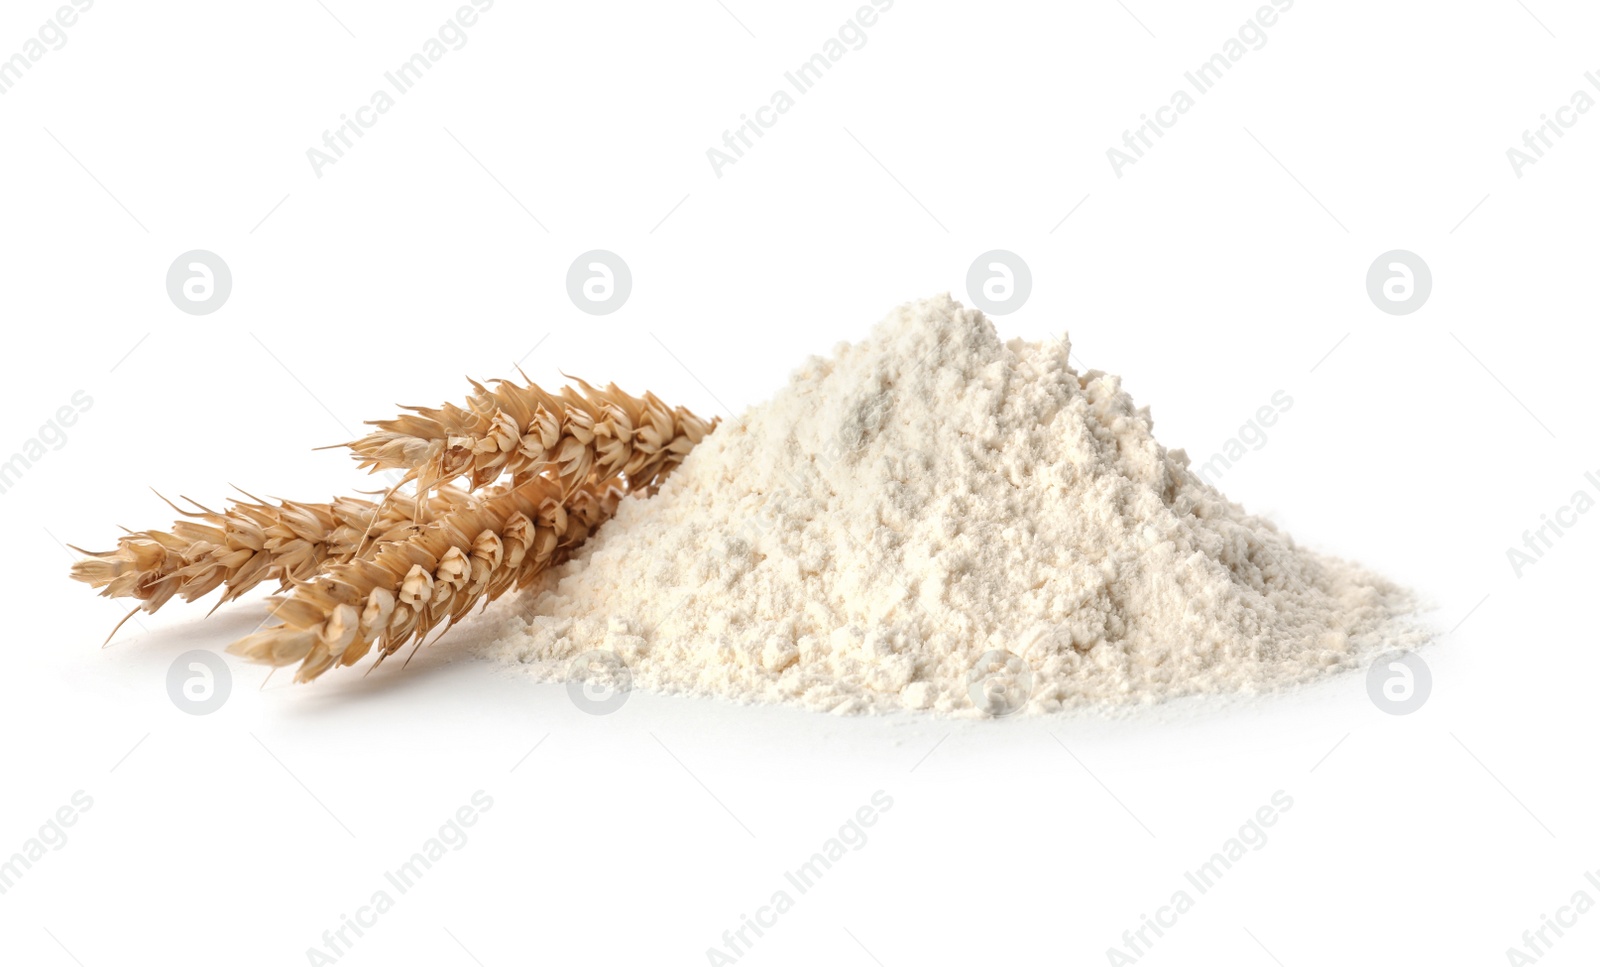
(936,519)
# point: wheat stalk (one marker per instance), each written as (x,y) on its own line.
(579,435)
(388,572)
(248,543)
(405,588)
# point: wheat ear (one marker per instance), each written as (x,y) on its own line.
(405,588)
(248,543)
(581,435)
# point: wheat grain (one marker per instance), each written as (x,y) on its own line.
(248,543)
(405,588)
(579,435)
(389,571)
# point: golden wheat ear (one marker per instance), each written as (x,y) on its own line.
(250,542)
(406,588)
(542,471)
(580,435)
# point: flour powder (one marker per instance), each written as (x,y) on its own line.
(937,519)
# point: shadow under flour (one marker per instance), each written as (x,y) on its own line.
(447,676)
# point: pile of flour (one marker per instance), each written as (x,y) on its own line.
(937,519)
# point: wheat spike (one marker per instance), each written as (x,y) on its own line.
(248,543)
(406,588)
(581,435)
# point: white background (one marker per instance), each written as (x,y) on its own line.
(1226,265)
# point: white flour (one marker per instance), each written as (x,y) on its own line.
(934,501)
